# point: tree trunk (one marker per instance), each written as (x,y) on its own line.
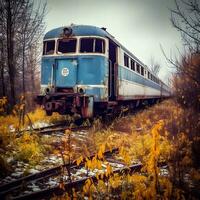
(10,53)
(23,70)
(3,91)
(2,82)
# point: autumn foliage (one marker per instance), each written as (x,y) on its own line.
(162,134)
(187,82)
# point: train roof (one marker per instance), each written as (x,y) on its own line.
(88,30)
(78,30)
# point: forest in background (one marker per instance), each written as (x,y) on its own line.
(21,30)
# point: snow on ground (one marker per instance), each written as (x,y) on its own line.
(40,124)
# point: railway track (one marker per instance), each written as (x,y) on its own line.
(20,189)
(77,184)
(59,127)
(48,130)
(62,126)
(37,186)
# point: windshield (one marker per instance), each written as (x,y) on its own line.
(48,47)
(67,46)
(92,45)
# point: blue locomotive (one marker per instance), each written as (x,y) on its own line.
(86,71)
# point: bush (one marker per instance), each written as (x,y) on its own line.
(187,94)
(187,82)
(29,148)
(3,105)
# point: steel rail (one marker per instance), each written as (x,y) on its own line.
(47,193)
(63,129)
(9,187)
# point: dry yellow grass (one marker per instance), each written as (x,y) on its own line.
(151,136)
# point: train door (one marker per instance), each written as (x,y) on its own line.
(112,71)
(66,72)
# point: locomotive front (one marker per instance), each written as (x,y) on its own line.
(74,70)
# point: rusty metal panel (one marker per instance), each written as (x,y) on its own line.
(87,108)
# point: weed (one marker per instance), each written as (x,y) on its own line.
(29,148)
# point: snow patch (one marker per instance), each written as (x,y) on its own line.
(40,124)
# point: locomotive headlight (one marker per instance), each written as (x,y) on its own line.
(81,90)
(47,90)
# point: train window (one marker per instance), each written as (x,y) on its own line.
(87,45)
(67,46)
(133,65)
(148,75)
(126,60)
(138,68)
(99,46)
(48,47)
(92,45)
(142,71)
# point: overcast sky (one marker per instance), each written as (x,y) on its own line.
(140,25)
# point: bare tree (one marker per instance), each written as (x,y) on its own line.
(2,66)
(154,66)
(32,28)
(21,27)
(9,16)
(32,73)
(185,17)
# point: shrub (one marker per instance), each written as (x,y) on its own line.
(29,148)
(187,82)
(3,105)
(187,94)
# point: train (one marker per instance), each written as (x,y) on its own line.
(85,71)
